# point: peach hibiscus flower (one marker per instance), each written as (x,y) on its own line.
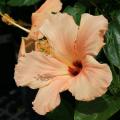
(40,15)
(71,66)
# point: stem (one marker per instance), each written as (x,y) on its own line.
(15,24)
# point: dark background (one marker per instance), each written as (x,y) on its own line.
(15,103)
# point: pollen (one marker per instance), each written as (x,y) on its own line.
(43,46)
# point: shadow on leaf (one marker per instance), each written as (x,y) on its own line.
(95,106)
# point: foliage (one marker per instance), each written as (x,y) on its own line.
(115,85)
(18,2)
(112,48)
(63,112)
(99,109)
(75,11)
(112,51)
(106,106)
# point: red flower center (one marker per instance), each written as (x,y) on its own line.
(75,70)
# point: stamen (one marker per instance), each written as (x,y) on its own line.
(77,64)
(7,19)
(75,70)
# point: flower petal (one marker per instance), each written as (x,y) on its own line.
(92,81)
(37,21)
(36,69)
(91,35)
(40,15)
(61,31)
(48,97)
(22,50)
(50,6)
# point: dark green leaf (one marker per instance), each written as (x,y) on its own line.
(75,11)
(22,2)
(2,5)
(99,109)
(112,48)
(2,2)
(115,85)
(62,112)
(1,8)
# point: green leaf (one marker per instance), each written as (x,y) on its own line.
(75,11)
(62,112)
(3,6)
(2,2)
(22,2)
(115,85)
(112,48)
(99,109)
